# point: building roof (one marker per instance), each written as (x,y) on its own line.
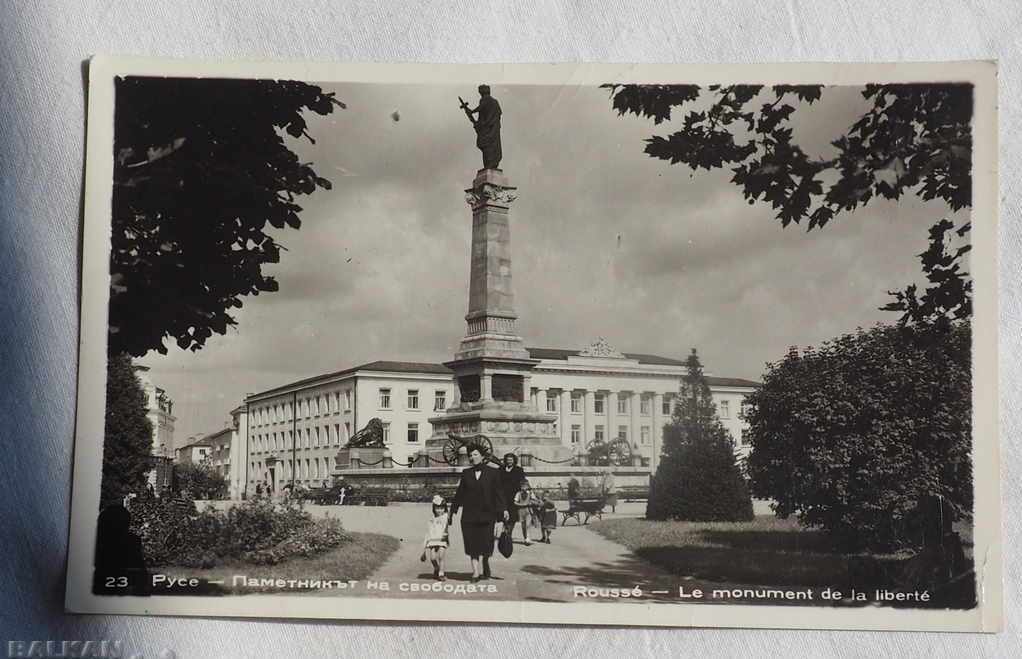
(652,360)
(558,353)
(206,440)
(536,353)
(382,366)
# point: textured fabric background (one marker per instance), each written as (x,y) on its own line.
(42,46)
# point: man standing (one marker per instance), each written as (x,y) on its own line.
(511,477)
(487,126)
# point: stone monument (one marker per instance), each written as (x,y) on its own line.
(492,368)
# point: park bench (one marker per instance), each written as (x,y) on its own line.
(582,508)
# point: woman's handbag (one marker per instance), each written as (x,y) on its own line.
(504,544)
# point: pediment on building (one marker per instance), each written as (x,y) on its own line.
(600,348)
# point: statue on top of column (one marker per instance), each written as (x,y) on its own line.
(487,126)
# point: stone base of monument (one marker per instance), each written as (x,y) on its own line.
(509,426)
(363,458)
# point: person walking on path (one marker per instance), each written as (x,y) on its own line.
(511,478)
(436,542)
(480,498)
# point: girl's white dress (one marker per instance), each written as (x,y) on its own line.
(436,532)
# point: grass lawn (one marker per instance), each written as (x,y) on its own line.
(766,551)
(356,559)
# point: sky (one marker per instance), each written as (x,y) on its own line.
(606,242)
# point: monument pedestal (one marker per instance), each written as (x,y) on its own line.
(492,369)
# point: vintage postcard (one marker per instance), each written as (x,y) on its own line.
(574,344)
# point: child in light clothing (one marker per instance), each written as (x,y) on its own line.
(437,539)
(547,516)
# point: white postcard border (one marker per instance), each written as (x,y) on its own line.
(987,616)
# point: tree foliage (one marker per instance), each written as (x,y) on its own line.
(850,436)
(201,481)
(127,433)
(698,477)
(201,171)
(914,138)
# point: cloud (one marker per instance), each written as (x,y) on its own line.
(606,242)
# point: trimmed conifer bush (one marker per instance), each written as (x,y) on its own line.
(698,478)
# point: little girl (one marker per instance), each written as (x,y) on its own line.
(435,544)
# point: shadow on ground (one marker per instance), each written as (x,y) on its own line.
(624,572)
(791,559)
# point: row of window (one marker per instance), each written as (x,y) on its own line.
(307,468)
(412,399)
(645,405)
(599,433)
(331,403)
(336,435)
(308,407)
(645,434)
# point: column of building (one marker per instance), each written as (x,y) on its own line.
(564,405)
(588,408)
(656,431)
(634,424)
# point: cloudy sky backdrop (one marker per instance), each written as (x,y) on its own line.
(606,241)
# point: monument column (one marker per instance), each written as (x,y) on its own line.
(492,369)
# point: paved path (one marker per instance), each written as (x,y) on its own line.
(540,572)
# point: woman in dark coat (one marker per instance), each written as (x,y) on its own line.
(480,498)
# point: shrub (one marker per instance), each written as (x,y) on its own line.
(201,481)
(698,478)
(306,541)
(255,531)
(851,436)
(166,530)
(127,433)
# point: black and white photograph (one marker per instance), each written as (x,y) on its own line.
(616,345)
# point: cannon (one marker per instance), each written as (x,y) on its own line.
(454,444)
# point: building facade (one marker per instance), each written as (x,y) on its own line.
(293,432)
(596,393)
(160,412)
(194,452)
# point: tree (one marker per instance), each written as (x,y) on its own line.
(698,477)
(914,138)
(127,433)
(201,168)
(850,436)
(201,480)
